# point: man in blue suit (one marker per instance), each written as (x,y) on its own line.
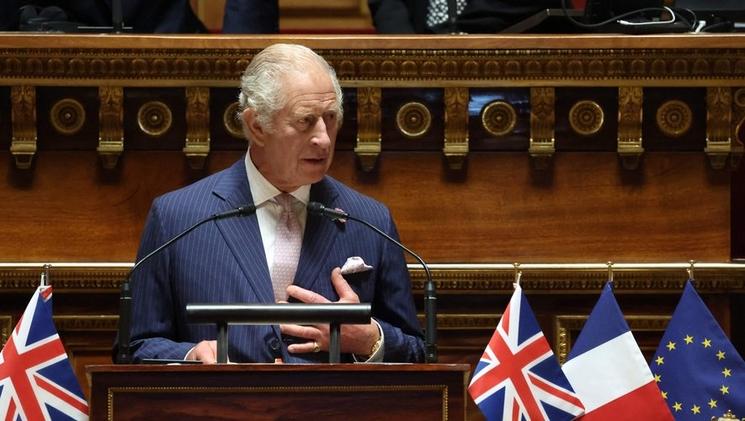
(292,111)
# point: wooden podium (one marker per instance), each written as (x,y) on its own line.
(279,391)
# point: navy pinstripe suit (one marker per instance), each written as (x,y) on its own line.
(224,262)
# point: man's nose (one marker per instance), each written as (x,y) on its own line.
(321,134)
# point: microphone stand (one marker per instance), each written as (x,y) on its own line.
(430,293)
(124,355)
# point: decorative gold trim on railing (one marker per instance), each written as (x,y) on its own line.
(86,323)
(6,325)
(499,118)
(154,118)
(23,120)
(413,119)
(542,121)
(630,101)
(465,278)
(586,117)
(368,145)
(67,116)
(563,325)
(197,126)
(111,125)
(455,146)
(718,125)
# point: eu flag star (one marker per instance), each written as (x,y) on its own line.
(727,372)
(678,406)
(712,403)
(660,360)
(724,389)
(664,395)
(670,346)
(657,378)
(706,343)
(688,339)
(720,355)
(696,409)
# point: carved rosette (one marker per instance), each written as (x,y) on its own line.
(674,118)
(718,125)
(542,121)
(23,120)
(630,100)
(197,126)
(499,118)
(231,122)
(368,145)
(67,116)
(413,120)
(111,129)
(456,127)
(586,117)
(154,118)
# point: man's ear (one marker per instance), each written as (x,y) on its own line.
(251,127)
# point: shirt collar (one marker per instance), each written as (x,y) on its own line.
(262,190)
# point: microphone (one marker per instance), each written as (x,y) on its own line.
(123,354)
(430,294)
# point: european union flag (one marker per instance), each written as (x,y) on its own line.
(699,372)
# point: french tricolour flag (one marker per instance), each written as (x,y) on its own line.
(608,371)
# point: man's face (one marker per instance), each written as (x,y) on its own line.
(300,145)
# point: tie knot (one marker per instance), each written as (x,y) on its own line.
(285,201)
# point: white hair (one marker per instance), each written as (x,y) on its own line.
(262,82)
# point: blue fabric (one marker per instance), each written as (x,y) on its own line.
(224,262)
(697,366)
(605,323)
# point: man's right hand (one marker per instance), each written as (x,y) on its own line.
(205,351)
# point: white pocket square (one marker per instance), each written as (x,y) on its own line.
(355,264)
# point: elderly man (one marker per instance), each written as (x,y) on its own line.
(291,107)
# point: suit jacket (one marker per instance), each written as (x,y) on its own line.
(224,262)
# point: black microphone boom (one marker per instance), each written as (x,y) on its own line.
(123,355)
(430,293)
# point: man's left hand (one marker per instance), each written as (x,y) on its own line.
(355,339)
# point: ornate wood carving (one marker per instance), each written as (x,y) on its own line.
(5,328)
(111,121)
(23,116)
(197,126)
(586,117)
(456,127)
(630,99)
(718,125)
(368,145)
(542,121)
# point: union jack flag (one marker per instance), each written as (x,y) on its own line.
(518,376)
(36,379)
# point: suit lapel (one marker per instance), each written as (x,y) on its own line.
(318,239)
(242,233)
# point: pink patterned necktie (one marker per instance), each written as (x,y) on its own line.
(287,242)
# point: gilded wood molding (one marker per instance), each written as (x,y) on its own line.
(456,127)
(6,325)
(23,121)
(542,121)
(630,101)
(197,126)
(718,125)
(368,145)
(111,125)
(456,278)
